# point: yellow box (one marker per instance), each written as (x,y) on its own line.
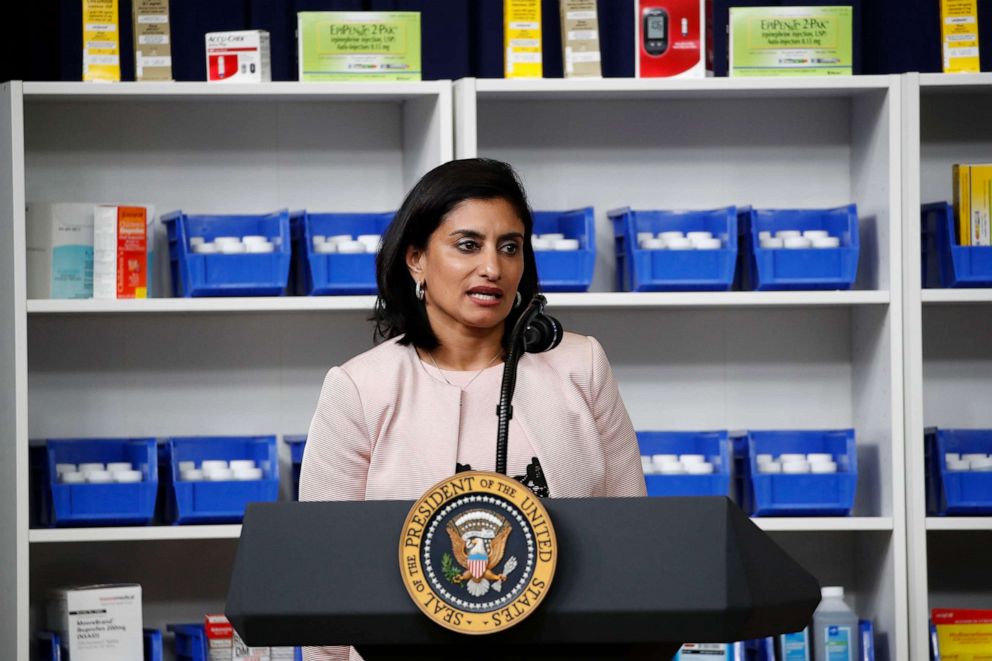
(959,35)
(973,203)
(522,39)
(101,41)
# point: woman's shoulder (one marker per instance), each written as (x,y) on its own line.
(576,351)
(386,356)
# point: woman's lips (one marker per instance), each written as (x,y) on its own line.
(485,296)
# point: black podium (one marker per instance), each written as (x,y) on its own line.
(636,577)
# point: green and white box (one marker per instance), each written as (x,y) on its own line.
(358,45)
(791,41)
(98,622)
(60,250)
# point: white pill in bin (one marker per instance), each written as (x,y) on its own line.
(196,241)
(318,238)
(218,474)
(65,468)
(644,236)
(260,248)
(90,467)
(763,459)
(707,244)
(823,467)
(99,477)
(676,243)
(236,464)
(795,467)
(552,236)
(665,458)
(649,468)
(541,244)
(770,467)
(772,244)
(698,235)
(254,238)
(764,234)
(247,474)
(205,249)
(670,235)
(788,234)
(958,465)
(981,464)
(325,248)
(210,464)
(653,244)
(826,242)
(118,466)
(952,456)
(191,475)
(233,248)
(704,468)
(72,478)
(797,242)
(816,234)
(128,477)
(221,240)
(566,244)
(791,456)
(186,465)
(964,457)
(692,458)
(351,247)
(819,457)
(670,469)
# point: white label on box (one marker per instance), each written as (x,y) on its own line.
(591,56)
(531,58)
(101,623)
(153,18)
(580,15)
(100,27)
(959,20)
(525,25)
(153,39)
(100,59)
(101,44)
(105,252)
(158,61)
(961,52)
(583,35)
(525,43)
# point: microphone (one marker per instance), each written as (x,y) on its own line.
(534,332)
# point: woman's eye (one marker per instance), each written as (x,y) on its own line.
(468,245)
(511,248)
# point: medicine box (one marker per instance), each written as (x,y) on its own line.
(120,251)
(358,45)
(318,274)
(973,203)
(59,241)
(945,262)
(640,269)
(297,443)
(220,501)
(957,491)
(216,274)
(767,269)
(238,57)
(191,645)
(791,41)
(110,504)
(803,494)
(714,446)
(567,270)
(98,622)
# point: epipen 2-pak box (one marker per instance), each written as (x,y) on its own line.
(959,36)
(791,41)
(238,57)
(98,622)
(580,39)
(101,41)
(973,203)
(358,45)
(152,47)
(522,47)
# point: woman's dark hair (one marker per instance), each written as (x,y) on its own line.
(397,310)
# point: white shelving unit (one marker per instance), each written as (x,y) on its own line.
(740,359)
(684,360)
(948,358)
(172,367)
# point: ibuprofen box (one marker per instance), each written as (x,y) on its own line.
(238,57)
(98,622)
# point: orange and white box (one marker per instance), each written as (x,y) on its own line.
(238,57)
(120,251)
(220,638)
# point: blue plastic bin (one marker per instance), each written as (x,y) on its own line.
(95,504)
(228,275)
(567,270)
(957,492)
(217,502)
(190,641)
(803,268)
(674,270)
(153,644)
(317,274)
(296,443)
(809,494)
(946,263)
(50,645)
(714,444)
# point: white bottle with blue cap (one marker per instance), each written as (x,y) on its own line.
(835,628)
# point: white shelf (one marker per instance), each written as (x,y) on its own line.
(136,533)
(596,300)
(954,83)
(825,524)
(959,523)
(956,296)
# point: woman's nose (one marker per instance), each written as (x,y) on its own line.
(489,266)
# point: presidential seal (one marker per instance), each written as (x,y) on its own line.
(478,552)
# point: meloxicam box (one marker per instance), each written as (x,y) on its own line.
(98,622)
(238,57)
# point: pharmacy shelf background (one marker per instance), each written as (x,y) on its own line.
(771,144)
(683,360)
(948,358)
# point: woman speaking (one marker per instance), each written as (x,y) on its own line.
(455,271)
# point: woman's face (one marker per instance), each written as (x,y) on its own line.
(472,265)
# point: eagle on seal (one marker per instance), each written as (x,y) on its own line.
(478,541)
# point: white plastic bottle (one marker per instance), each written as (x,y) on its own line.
(835,628)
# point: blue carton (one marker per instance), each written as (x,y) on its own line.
(296,443)
(957,492)
(110,504)
(190,641)
(50,645)
(715,445)
(567,270)
(217,502)
(318,274)
(946,263)
(674,270)
(248,274)
(808,494)
(765,269)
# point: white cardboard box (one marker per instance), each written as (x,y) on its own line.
(60,250)
(238,57)
(98,622)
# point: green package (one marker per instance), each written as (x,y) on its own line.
(358,45)
(791,41)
